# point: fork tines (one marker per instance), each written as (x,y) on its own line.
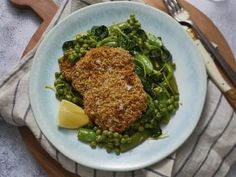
(173,6)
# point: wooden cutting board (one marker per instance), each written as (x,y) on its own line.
(46,9)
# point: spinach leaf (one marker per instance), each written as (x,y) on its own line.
(167,57)
(150,108)
(68,45)
(100,32)
(142,34)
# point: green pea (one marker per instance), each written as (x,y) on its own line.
(146,125)
(99,138)
(100,145)
(156,102)
(79,55)
(110,145)
(68,97)
(93,144)
(155,110)
(128,140)
(172,99)
(60,91)
(158,115)
(161,105)
(169,101)
(72,58)
(132,17)
(98,132)
(120,136)
(117,151)
(141,129)
(116,135)
(163,109)
(80,40)
(104,137)
(116,142)
(139,41)
(137,25)
(108,150)
(82,51)
(75,100)
(123,141)
(170,107)
(110,134)
(158,90)
(77,47)
(176,97)
(85,46)
(126,136)
(105,132)
(165,84)
(176,104)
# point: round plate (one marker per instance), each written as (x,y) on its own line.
(190,75)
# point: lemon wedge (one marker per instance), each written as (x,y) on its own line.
(71,116)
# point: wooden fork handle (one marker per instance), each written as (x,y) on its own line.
(46,11)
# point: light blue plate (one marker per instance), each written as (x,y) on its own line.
(190,74)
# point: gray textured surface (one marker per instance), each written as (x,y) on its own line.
(17,27)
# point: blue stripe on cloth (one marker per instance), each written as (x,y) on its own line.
(94,173)
(60,14)
(14,101)
(85,2)
(200,135)
(76,168)
(155,172)
(2,117)
(213,144)
(26,113)
(224,158)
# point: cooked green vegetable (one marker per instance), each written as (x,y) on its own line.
(64,90)
(86,135)
(100,32)
(153,65)
(135,140)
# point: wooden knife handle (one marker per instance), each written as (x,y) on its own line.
(46,9)
(231,97)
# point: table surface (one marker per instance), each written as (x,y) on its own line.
(16,28)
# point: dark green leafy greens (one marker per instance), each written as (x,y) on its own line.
(99,32)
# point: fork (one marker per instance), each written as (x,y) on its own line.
(176,10)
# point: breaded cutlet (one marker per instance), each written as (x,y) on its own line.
(113,94)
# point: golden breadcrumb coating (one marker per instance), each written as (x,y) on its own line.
(66,68)
(89,71)
(117,103)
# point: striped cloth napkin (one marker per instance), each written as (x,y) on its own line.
(210,150)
